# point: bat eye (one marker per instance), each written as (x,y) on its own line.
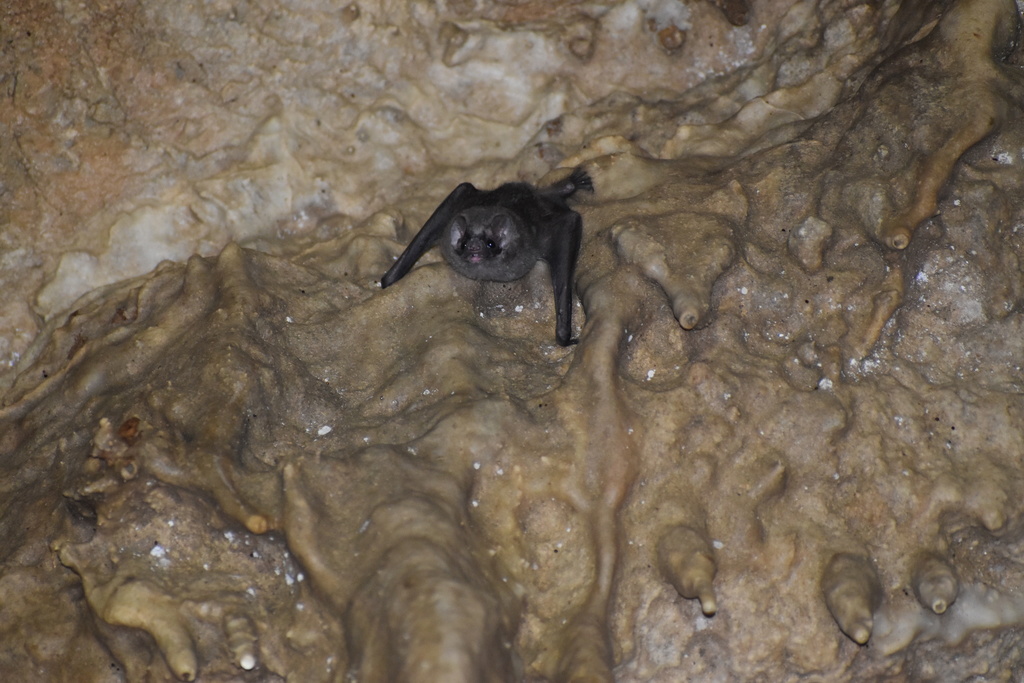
(490,244)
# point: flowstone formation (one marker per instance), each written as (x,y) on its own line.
(787,445)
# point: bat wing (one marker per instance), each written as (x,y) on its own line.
(562,251)
(463,196)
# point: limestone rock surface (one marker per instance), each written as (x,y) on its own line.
(787,446)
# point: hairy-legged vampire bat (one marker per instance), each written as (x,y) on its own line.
(499,235)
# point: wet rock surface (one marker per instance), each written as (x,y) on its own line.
(787,444)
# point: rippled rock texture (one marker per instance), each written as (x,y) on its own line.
(788,444)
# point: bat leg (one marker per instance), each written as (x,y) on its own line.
(563,251)
(461,197)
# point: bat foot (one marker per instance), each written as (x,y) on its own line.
(581,180)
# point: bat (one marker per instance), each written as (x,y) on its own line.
(500,234)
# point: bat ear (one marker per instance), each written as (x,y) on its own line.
(458,230)
(503,227)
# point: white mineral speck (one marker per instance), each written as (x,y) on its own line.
(743,290)
(650,374)
(288,319)
(158,551)
(519,308)
(718,545)
(476,465)
(825,384)
(500,471)
(323,431)
(247,662)
(475,503)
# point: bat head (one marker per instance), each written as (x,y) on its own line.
(484,233)
(487,243)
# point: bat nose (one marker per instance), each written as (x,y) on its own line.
(475,245)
